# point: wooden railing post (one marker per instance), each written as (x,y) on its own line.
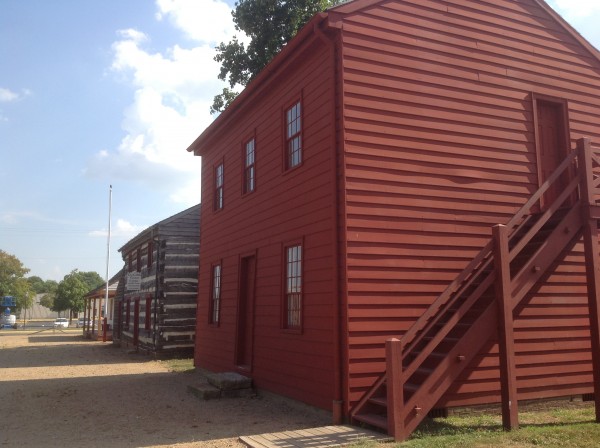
(395,389)
(508,391)
(592,259)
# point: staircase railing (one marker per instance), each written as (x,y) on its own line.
(439,320)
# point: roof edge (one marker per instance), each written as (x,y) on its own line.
(594,52)
(257,83)
(155,226)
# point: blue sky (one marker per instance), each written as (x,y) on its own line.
(101,92)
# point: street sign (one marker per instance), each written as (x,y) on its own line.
(9,301)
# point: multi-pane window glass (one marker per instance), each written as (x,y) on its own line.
(294,135)
(216,295)
(219,187)
(249,168)
(293,287)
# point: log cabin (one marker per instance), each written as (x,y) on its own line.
(398,213)
(155,307)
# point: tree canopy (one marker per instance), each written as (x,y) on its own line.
(11,269)
(269,24)
(72,289)
(40,286)
(13,282)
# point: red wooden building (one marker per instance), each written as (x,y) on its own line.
(352,194)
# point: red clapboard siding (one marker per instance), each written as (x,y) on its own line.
(286,207)
(426,110)
(440,146)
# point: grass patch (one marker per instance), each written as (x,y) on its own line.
(180,365)
(562,424)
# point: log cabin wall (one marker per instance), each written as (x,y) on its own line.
(177,293)
(159,318)
(440,144)
(288,207)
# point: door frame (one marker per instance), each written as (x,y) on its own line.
(564,105)
(245,314)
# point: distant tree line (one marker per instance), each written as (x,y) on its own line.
(64,296)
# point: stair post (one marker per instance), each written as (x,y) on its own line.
(395,389)
(592,259)
(508,386)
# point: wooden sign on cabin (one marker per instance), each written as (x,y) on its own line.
(134,281)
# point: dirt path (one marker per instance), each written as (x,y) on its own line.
(58,390)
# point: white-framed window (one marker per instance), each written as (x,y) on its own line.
(249,166)
(215,297)
(293,287)
(293,133)
(219,184)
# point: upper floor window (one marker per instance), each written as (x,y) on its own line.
(249,167)
(293,117)
(218,204)
(293,287)
(215,303)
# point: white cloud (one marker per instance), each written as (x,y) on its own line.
(8,96)
(571,9)
(206,21)
(122,228)
(173,91)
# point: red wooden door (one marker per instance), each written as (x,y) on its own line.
(245,325)
(136,321)
(552,146)
(119,319)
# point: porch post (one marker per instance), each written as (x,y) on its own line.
(592,259)
(395,389)
(508,380)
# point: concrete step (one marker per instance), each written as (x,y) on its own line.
(222,385)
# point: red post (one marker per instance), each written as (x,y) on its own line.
(592,259)
(104,329)
(395,389)
(508,380)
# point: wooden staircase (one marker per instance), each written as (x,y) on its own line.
(478,305)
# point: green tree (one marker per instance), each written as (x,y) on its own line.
(24,293)
(91,279)
(269,24)
(47,300)
(11,269)
(50,286)
(49,294)
(36,283)
(70,293)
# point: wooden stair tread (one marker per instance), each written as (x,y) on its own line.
(380,401)
(376,420)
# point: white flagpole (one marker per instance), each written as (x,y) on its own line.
(108,250)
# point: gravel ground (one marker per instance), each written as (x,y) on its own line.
(59,390)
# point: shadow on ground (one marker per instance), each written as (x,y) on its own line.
(127,410)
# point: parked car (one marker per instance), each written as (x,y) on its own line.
(61,322)
(8,321)
(82,322)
